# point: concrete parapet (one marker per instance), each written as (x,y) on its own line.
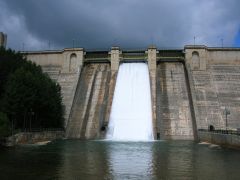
(227,140)
(199,56)
(69,59)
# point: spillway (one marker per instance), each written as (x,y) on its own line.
(131,113)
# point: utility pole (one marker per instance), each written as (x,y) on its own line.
(73,41)
(115,42)
(194,40)
(23,46)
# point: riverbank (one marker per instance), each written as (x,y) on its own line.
(225,140)
(39,138)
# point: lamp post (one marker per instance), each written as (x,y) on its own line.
(226,112)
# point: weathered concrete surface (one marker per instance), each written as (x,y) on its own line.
(109,97)
(64,67)
(115,62)
(215,81)
(152,65)
(227,140)
(173,111)
(90,104)
(68,83)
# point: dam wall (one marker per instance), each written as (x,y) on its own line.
(190,87)
(90,103)
(87,81)
(173,109)
(215,83)
(63,67)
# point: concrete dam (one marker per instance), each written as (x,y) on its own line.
(189,88)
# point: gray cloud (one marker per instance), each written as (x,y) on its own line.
(128,23)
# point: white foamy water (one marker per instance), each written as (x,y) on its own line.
(131,113)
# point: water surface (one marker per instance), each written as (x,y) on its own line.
(119,160)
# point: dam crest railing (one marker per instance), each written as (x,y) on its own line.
(221,131)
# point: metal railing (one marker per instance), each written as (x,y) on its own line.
(221,131)
(41,129)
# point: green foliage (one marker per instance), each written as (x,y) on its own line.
(29,97)
(4,125)
(9,62)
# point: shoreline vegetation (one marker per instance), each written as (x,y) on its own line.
(29,99)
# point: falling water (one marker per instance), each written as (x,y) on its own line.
(131,113)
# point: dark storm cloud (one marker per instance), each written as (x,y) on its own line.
(128,23)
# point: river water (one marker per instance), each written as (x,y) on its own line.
(68,159)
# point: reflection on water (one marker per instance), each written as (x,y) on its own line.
(119,160)
(174,161)
(131,160)
(85,159)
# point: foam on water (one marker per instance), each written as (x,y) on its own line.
(131,113)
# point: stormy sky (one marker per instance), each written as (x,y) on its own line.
(99,24)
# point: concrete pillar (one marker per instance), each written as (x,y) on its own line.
(3,40)
(115,58)
(152,65)
(152,58)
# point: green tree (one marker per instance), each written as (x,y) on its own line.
(10,61)
(4,125)
(29,97)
